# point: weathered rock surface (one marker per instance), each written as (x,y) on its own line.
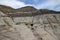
(38,26)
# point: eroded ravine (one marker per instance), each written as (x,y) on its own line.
(38,27)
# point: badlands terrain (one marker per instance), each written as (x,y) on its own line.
(28,23)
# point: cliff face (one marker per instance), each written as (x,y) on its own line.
(27,25)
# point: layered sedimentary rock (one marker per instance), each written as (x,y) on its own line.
(36,25)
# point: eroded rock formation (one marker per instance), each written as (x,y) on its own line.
(36,25)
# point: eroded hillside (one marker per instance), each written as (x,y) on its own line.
(27,25)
